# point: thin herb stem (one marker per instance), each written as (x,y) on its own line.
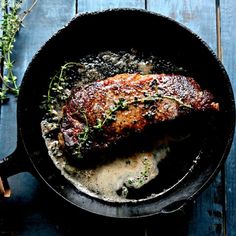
(10,24)
(55,81)
(182,104)
(123,104)
(109,115)
(28,11)
(84,135)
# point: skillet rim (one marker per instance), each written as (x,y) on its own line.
(177,24)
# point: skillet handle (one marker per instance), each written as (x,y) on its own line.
(12,165)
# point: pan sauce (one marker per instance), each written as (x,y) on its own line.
(111,179)
(114,177)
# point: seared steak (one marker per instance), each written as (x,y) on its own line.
(104,112)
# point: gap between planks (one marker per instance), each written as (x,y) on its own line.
(220,56)
(76,6)
(218,30)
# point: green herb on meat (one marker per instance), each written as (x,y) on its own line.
(123,104)
(110,116)
(60,88)
(83,136)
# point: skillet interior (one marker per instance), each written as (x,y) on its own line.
(91,33)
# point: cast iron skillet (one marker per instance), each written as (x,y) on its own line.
(122,29)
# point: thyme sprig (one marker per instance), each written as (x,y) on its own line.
(180,102)
(110,116)
(83,136)
(56,88)
(9,26)
(122,104)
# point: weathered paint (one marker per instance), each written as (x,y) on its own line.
(91,5)
(21,213)
(32,211)
(228,22)
(194,14)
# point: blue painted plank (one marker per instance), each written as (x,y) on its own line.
(197,15)
(50,18)
(228,32)
(0,32)
(91,5)
(5,144)
(45,19)
(88,6)
(206,217)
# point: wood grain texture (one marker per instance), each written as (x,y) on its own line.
(91,5)
(228,33)
(33,211)
(206,216)
(38,27)
(105,228)
(191,13)
(45,19)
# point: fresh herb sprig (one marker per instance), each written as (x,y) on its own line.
(83,136)
(56,88)
(122,104)
(9,26)
(110,116)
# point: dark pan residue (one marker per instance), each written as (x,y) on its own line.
(182,138)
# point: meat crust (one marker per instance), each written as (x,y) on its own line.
(104,112)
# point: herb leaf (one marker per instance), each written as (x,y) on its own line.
(10,24)
(57,87)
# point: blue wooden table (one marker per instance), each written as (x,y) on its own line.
(32,210)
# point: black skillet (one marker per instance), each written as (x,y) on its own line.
(122,29)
